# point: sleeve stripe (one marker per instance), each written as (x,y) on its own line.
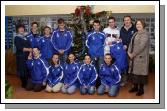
(47,69)
(52,41)
(62,74)
(118,74)
(96,75)
(78,74)
(71,41)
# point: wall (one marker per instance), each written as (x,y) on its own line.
(17,10)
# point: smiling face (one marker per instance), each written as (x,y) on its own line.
(111,23)
(21,30)
(55,59)
(71,57)
(139,26)
(107,59)
(34,27)
(36,52)
(96,26)
(47,31)
(87,60)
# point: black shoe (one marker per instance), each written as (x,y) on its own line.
(134,89)
(140,92)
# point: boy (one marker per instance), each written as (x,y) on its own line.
(39,69)
(61,40)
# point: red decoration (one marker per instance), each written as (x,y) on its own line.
(87,10)
(77,11)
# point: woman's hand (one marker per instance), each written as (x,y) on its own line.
(131,56)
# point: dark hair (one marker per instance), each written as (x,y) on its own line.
(34,23)
(19,26)
(67,60)
(96,21)
(60,21)
(51,62)
(108,54)
(37,48)
(142,22)
(111,17)
(46,28)
(87,55)
(128,17)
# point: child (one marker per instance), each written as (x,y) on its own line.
(87,76)
(110,77)
(70,69)
(95,43)
(62,40)
(45,44)
(39,71)
(112,33)
(55,75)
(33,37)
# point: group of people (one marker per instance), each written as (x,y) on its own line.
(114,57)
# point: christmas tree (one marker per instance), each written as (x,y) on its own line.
(80,26)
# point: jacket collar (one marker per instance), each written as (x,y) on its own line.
(142,31)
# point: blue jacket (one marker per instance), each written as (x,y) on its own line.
(61,40)
(119,54)
(55,75)
(127,35)
(109,74)
(95,43)
(87,75)
(46,47)
(39,70)
(70,73)
(33,39)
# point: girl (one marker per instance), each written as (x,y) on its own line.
(39,71)
(87,76)
(110,77)
(55,75)
(45,44)
(22,51)
(70,69)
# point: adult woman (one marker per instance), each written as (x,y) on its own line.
(22,51)
(138,52)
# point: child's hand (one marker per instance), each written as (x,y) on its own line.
(85,86)
(44,83)
(66,85)
(30,56)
